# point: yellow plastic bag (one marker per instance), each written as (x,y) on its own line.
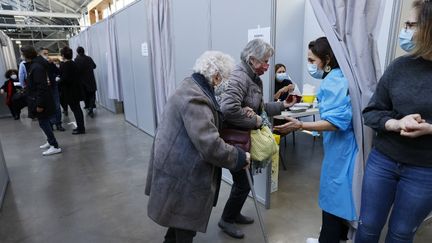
(263,144)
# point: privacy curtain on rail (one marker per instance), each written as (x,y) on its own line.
(113,79)
(161,52)
(352,27)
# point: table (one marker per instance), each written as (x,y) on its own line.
(308,112)
(284,114)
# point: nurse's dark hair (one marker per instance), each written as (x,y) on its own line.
(423,35)
(322,49)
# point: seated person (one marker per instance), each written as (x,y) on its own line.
(284,86)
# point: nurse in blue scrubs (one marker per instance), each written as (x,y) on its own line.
(340,148)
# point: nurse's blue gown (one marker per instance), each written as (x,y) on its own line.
(340,147)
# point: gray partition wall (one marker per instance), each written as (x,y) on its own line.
(4,176)
(130,26)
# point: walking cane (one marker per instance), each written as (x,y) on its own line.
(256,205)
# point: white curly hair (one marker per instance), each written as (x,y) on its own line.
(211,63)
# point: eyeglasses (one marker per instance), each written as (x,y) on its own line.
(409,25)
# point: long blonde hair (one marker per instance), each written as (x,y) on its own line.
(423,36)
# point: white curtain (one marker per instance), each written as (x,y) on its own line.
(161,52)
(113,80)
(352,27)
(7,51)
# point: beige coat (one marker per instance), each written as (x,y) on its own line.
(184,171)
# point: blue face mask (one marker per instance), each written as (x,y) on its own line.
(406,39)
(314,71)
(282,76)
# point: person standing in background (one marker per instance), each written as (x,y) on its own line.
(22,73)
(71,87)
(54,77)
(86,66)
(40,100)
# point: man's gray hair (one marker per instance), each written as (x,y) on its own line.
(211,63)
(258,49)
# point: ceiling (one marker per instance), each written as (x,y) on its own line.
(28,27)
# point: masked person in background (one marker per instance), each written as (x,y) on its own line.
(10,89)
(283,83)
(398,174)
(340,147)
(184,174)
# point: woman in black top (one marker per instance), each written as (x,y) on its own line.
(9,88)
(398,174)
(283,83)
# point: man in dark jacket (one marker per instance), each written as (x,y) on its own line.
(53,73)
(85,66)
(40,100)
(71,87)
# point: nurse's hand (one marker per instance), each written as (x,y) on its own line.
(291,125)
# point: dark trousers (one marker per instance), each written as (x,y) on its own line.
(334,229)
(14,111)
(78,114)
(63,102)
(90,100)
(45,125)
(239,193)
(56,118)
(175,235)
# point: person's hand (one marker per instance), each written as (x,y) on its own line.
(259,121)
(249,111)
(416,130)
(292,125)
(1,91)
(289,88)
(39,109)
(57,79)
(406,123)
(288,105)
(248,161)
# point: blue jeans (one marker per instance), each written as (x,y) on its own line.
(45,125)
(387,183)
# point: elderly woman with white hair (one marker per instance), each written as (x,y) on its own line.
(184,174)
(244,91)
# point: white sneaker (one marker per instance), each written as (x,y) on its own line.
(312,240)
(51,151)
(45,146)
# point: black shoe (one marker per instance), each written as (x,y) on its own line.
(91,114)
(16,117)
(241,219)
(60,128)
(76,131)
(230,229)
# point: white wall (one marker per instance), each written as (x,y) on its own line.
(312,31)
(290,18)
